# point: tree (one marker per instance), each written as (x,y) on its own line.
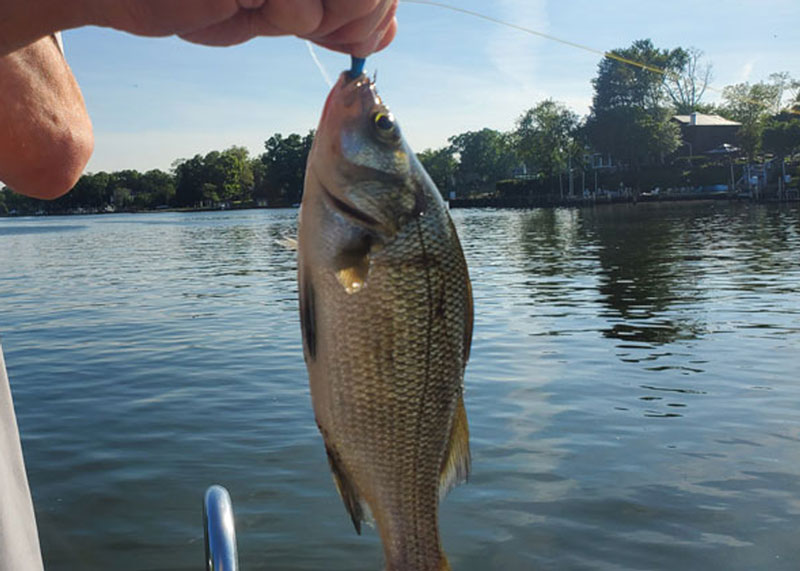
(782,134)
(634,76)
(546,137)
(216,177)
(227,175)
(91,191)
(284,167)
(189,180)
(630,118)
(441,165)
(788,90)
(156,188)
(484,157)
(686,85)
(751,105)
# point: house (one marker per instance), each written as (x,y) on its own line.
(701,133)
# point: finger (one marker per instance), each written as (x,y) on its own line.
(295,17)
(388,36)
(338,13)
(243,26)
(386,33)
(160,17)
(365,29)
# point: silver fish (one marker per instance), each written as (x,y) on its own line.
(386,314)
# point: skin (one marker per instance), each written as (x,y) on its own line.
(45,132)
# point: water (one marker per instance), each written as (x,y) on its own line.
(632,392)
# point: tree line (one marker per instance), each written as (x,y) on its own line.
(629,120)
(229,177)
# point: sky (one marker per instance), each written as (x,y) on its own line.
(153,101)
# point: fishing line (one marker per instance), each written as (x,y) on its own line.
(320,67)
(537,33)
(610,55)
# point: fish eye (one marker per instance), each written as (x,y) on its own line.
(384,121)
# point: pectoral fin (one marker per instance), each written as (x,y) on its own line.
(456,465)
(352,263)
(288,243)
(353,275)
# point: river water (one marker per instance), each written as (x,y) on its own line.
(633,390)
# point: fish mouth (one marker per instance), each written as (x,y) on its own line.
(360,79)
(359,87)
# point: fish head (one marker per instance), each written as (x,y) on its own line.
(360,161)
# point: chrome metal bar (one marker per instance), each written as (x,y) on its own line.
(219,531)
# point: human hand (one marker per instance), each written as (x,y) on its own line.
(357,27)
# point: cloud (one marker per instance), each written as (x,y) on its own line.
(513,52)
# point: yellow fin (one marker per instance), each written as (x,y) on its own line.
(353,278)
(352,264)
(456,465)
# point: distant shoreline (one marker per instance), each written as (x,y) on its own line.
(479,202)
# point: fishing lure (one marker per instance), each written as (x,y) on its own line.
(356,66)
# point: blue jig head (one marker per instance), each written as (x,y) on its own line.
(356,67)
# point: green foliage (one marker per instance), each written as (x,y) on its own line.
(621,84)
(284,166)
(630,119)
(634,135)
(189,181)
(546,137)
(441,165)
(750,104)
(160,189)
(484,157)
(757,106)
(217,177)
(782,134)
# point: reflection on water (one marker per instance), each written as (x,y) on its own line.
(631,391)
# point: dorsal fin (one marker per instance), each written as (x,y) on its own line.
(456,464)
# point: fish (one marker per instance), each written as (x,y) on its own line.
(386,314)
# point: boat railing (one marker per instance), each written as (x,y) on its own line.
(220,532)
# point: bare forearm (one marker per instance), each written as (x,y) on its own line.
(45,133)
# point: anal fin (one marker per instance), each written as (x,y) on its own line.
(456,464)
(356,507)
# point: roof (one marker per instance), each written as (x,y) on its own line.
(702,120)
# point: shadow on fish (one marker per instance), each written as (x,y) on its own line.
(386,315)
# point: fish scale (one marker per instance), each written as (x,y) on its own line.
(386,313)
